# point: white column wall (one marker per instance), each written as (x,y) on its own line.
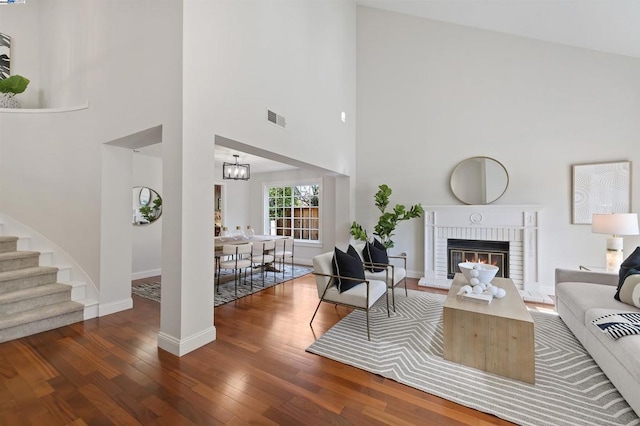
(431,94)
(115,230)
(240,58)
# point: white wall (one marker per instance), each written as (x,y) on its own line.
(147,239)
(51,168)
(296,58)
(304,251)
(431,94)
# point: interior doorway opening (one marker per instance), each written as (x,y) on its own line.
(218,215)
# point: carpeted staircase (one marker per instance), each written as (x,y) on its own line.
(31,299)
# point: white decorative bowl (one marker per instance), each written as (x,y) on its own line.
(486,272)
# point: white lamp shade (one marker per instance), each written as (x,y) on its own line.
(615,224)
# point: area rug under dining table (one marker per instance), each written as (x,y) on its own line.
(570,388)
(226,291)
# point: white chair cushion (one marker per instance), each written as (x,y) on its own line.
(357,296)
(398,276)
(231,264)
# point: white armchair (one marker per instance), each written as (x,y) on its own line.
(362,296)
(392,274)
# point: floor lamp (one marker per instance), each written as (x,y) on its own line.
(615,224)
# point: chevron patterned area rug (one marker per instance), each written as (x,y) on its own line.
(226,292)
(570,388)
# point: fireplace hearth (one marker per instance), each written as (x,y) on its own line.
(478,251)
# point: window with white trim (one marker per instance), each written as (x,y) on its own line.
(294,211)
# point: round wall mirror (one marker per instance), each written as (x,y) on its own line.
(147,205)
(144,196)
(479,180)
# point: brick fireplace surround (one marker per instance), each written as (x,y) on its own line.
(517,225)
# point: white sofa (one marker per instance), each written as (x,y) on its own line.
(581,297)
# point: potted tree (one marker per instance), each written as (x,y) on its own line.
(388,221)
(9,87)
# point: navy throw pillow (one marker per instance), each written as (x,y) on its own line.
(632,271)
(375,253)
(632,261)
(347,265)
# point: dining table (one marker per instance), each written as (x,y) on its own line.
(221,241)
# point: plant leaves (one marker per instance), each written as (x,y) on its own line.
(388,221)
(14,84)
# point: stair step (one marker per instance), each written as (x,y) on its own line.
(21,324)
(18,259)
(26,278)
(8,244)
(34,297)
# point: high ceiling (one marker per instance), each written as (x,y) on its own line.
(611,26)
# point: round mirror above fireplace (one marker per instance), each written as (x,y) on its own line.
(479,180)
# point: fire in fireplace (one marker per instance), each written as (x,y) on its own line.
(479,251)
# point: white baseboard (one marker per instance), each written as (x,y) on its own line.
(113,307)
(305,262)
(415,274)
(179,347)
(146,274)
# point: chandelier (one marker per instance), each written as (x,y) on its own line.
(235,171)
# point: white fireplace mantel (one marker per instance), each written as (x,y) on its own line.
(516,224)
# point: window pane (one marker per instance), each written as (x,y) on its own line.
(294,211)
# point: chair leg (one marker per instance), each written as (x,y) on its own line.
(388,312)
(218,281)
(406,293)
(235,281)
(393,297)
(368,334)
(315,312)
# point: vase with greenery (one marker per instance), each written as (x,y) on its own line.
(9,87)
(388,220)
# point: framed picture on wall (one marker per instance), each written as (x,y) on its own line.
(5,56)
(600,188)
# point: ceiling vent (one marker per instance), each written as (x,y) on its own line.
(276,119)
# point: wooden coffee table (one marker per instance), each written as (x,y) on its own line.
(497,337)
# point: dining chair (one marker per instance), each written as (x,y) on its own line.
(263,255)
(283,251)
(238,258)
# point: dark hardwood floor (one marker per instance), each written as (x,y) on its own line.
(109,371)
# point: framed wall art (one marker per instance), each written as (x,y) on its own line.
(600,188)
(5,56)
